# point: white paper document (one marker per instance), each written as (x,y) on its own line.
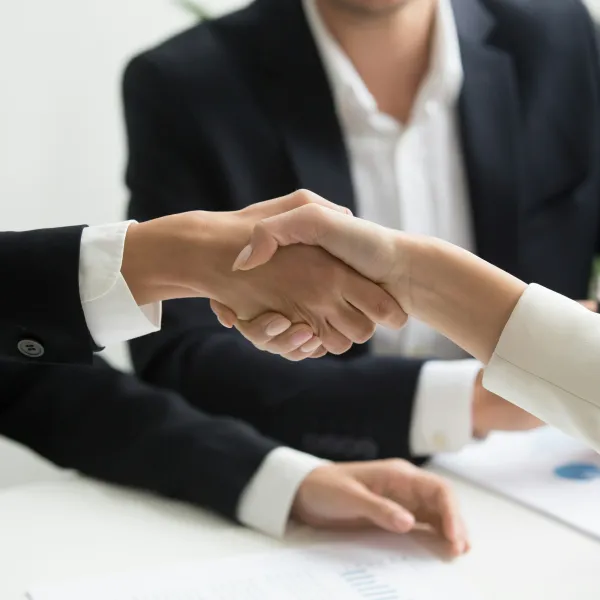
(378,567)
(544,469)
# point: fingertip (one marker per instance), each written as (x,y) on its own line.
(403,522)
(311,346)
(278,326)
(224,323)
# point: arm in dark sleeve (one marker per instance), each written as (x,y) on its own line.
(111,426)
(40,301)
(353,409)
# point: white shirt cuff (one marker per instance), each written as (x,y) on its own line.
(111,312)
(443,412)
(266,502)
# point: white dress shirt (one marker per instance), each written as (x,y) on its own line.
(111,313)
(412,177)
(113,316)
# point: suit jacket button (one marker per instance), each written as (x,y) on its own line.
(30,348)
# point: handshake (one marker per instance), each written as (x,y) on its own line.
(303,301)
(300,276)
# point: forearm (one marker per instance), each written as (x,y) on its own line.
(315,406)
(113,427)
(462,296)
(39,274)
(180,256)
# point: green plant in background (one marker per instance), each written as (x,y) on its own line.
(195,9)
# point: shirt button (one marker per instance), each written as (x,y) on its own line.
(440,442)
(30,348)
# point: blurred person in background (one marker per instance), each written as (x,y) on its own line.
(475,121)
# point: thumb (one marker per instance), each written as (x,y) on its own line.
(226,316)
(384,513)
(366,247)
(304,225)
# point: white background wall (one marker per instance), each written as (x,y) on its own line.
(61,134)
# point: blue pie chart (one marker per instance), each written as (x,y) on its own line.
(578,471)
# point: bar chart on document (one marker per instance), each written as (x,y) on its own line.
(366,585)
(375,568)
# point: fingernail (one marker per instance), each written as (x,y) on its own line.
(404,522)
(227,325)
(311,346)
(242,258)
(277,327)
(300,338)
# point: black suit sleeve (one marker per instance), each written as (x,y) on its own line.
(356,408)
(39,271)
(111,426)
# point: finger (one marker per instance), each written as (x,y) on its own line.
(432,501)
(382,512)
(304,197)
(319,353)
(352,323)
(376,304)
(297,199)
(224,314)
(302,354)
(303,225)
(445,513)
(311,347)
(355,241)
(293,339)
(333,341)
(264,328)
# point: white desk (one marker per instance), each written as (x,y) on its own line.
(77,528)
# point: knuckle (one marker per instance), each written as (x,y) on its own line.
(398,463)
(388,310)
(384,307)
(304,197)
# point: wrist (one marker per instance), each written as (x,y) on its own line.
(139,269)
(184,255)
(460,295)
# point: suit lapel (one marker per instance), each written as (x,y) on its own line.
(489,120)
(298,96)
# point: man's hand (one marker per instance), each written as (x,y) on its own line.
(391,494)
(493,413)
(273,333)
(191,255)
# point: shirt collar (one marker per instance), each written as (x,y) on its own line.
(444,79)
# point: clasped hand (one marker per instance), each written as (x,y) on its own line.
(325,305)
(303,302)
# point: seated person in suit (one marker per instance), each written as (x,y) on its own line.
(69,291)
(469,120)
